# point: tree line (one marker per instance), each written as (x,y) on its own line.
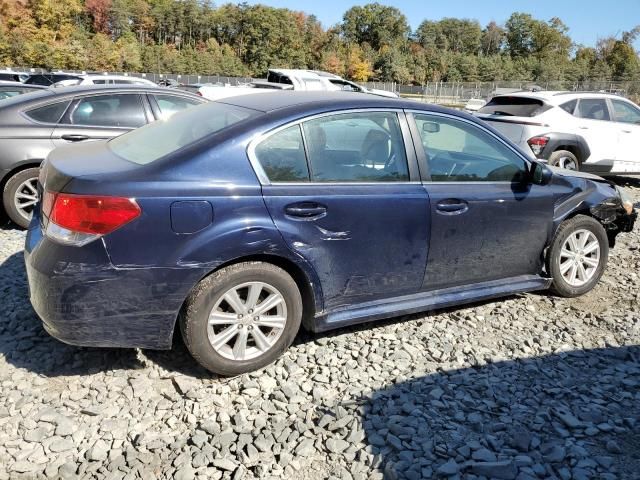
(372,42)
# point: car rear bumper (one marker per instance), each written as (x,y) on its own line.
(84,300)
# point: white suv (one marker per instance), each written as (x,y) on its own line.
(593,132)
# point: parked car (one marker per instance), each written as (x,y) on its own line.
(474,104)
(13,76)
(593,132)
(285,79)
(33,124)
(310,80)
(11,89)
(239,221)
(104,80)
(48,79)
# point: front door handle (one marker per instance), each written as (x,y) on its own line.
(74,137)
(626,131)
(306,210)
(452,206)
(582,127)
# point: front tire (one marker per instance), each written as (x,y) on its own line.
(578,256)
(20,196)
(241,318)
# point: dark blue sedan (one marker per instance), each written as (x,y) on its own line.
(242,219)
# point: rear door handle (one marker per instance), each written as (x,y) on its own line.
(626,131)
(582,127)
(75,137)
(306,210)
(452,206)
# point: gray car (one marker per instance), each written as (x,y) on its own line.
(33,124)
(11,89)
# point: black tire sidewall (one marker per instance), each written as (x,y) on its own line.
(9,192)
(194,322)
(579,222)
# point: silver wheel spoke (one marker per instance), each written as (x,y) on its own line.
(582,273)
(573,273)
(583,240)
(28,204)
(566,253)
(29,184)
(26,195)
(234,301)
(271,321)
(262,342)
(564,267)
(268,303)
(240,346)
(590,247)
(573,243)
(592,262)
(252,297)
(222,318)
(224,336)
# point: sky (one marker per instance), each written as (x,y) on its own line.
(588,20)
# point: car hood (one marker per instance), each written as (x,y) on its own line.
(563,172)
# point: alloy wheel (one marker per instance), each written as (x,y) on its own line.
(579,257)
(247,321)
(567,163)
(26,197)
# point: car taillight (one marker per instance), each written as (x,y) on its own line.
(198,93)
(537,144)
(79,219)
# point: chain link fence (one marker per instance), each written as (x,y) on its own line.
(444,93)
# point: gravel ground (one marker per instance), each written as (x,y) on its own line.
(528,387)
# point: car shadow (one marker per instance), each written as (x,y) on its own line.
(567,415)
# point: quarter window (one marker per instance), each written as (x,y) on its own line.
(120,110)
(459,152)
(356,147)
(170,104)
(569,106)
(593,109)
(49,113)
(625,112)
(282,158)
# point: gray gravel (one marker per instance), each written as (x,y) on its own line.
(528,387)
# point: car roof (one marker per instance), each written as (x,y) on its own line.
(328,100)
(52,93)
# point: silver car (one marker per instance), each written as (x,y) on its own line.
(33,124)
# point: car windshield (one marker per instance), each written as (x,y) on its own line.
(514,106)
(163,137)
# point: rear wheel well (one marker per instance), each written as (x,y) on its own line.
(298,275)
(18,169)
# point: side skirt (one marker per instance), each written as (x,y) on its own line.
(422,301)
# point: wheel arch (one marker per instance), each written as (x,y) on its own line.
(575,144)
(17,168)
(308,285)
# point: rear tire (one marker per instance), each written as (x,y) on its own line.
(221,335)
(564,159)
(20,197)
(578,256)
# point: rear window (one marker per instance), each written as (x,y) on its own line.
(163,137)
(514,106)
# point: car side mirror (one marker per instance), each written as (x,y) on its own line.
(540,174)
(430,127)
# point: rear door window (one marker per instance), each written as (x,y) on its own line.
(49,113)
(593,109)
(356,147)
(114,110)
(514,106)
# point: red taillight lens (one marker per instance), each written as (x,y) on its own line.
(90,214)
(537,144)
